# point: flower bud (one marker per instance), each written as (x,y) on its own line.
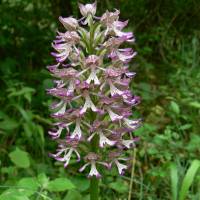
(88,9)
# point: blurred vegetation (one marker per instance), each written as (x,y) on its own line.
(168,73)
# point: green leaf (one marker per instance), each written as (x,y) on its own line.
(28,186)
(27,129)
(41,133)
(73,195)
(43,180)
(188,179)
(195,104)
(23,91)
(82,184)
(119,186)
(185,126)
(8,124)
(174,180)
(26,114)
(20,158)
(174,107)
(60,185)
(12,194)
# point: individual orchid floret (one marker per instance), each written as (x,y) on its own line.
(99,129)
(88,103)
(57,133)
(133,124)
(77,133)
(70,23)
(119,137)
(65,150)
(64,45)
(93,62)
(92,159)
(108,18)
(63,52)
(115,157)
(114,27)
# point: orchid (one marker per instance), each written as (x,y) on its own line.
(92,84)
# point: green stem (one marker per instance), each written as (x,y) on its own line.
(94,188)
(94,182)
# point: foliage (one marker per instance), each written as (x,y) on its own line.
(167,66)
(186,182)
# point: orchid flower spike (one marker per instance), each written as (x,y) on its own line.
(93,110)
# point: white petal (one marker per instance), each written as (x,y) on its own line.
(123,57)
(127,143)
(114,90)
(57,133)
(56,105)
(83,167)
(131,123)
(104,140)
(77,131)
(93,77)
(120,167)
(67,157)
(71,86)
(78,155)
(113,116)
(62,110)
(91,136)
(59,153)
(88,104)
(93,171)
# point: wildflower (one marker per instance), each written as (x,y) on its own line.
(93,110)
(92,159)
(65,150)
(115,157)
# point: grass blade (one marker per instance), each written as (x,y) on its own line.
(188,179)
(174,180)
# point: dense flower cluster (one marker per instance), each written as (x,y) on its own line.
(94,105)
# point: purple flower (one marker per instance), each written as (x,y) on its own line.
(115,158)
(94,102)
(65,150)
(92,159)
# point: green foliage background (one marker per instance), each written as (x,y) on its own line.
(168,80)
